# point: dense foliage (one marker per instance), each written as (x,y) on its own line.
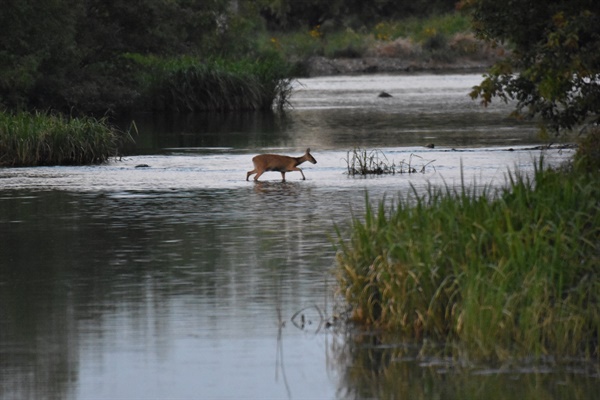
(74,55)
(282,14)
(554,68)
(68,53)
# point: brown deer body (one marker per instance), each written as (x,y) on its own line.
(275,162)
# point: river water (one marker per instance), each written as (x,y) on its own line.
(165,274)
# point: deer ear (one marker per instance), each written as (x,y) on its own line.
(308,150)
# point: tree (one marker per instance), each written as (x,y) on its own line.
(553,68)
(32,35)
(293,14)
(70,54)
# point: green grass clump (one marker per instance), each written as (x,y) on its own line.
(188,84)
(46,139)
(506,274)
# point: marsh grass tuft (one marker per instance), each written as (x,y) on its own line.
(507,273)
(364,162)
(188,84)
(30,139)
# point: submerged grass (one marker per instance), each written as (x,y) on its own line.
(364,162)
(504,274)
(28,139)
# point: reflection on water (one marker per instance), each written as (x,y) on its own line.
(374,370)
(182,280)
(158,133)
(342,112)
(100,291)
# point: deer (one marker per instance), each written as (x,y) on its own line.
(276,162)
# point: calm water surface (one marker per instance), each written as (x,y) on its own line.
(181,280)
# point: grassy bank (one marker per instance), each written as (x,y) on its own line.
(446,38)
(46,139)
(500,275)
(188,84)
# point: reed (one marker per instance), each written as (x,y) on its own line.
(365,162)
(505,273)
(188,84)
(31,139)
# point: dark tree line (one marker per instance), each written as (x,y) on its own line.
(66,52)
(77,54)
(73,53)
(287,14)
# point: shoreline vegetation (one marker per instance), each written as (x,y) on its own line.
(489,276)
(249,73)
(504,274)
(189,84)
(36,139)
(438,43)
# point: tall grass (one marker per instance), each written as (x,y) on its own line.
(46,139)
(188,84)
(515,272)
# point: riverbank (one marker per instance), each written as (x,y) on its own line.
(495,275)
(323,66)
(437,53)
(440,43)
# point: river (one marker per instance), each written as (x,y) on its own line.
(165,274)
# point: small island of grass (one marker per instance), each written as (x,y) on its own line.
(34,139)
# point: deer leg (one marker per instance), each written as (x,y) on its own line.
(258,174)
(282,176)
(299,170)
(250,173)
